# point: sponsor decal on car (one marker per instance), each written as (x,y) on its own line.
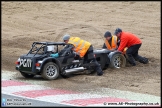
(25,62)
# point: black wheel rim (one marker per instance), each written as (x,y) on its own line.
(51,71)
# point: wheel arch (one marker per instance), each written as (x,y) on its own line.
(50,60)
(113,53)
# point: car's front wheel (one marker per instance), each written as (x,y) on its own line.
(118,61)
(27,75)
(50,71)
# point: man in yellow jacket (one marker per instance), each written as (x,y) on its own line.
(83,49)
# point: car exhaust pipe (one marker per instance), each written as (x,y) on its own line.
(78,69)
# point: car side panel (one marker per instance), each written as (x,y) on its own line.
(102,59)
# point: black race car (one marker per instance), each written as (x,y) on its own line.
(39,62)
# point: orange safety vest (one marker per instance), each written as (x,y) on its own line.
(113,43)
(81,46)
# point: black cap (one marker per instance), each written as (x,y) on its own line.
(117,31)
(107,34)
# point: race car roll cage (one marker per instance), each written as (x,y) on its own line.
(44,46)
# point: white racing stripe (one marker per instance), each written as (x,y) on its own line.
(67,97)
(12,89)
(47,94)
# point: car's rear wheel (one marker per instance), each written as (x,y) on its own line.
(50,71)
(118,61)
(27,75)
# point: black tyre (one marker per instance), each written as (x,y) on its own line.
(50,71)
(27,75)
(118,61)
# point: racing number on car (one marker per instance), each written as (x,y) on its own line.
(25,62)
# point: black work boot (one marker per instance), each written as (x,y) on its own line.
(133,64)
(143,60)
(100,73)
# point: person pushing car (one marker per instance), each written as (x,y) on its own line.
(112,42)
(83,49)
(133,43)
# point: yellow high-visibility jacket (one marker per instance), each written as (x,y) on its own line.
(81,46)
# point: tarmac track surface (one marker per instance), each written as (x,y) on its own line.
(99,97)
